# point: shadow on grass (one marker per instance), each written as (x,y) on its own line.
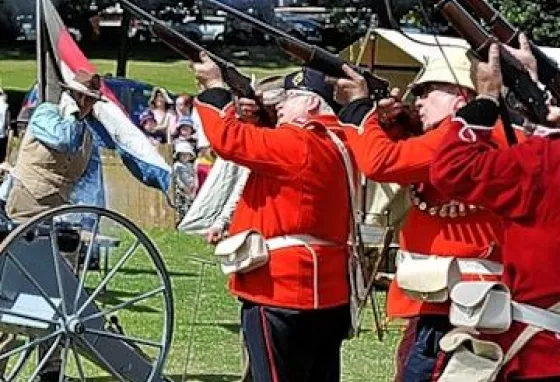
(110,298)
(232,327)
(206,377)
(144,271)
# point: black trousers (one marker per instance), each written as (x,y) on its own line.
(294,345)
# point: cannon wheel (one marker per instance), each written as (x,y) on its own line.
(65,334)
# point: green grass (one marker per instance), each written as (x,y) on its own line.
(215,354)
(173,75)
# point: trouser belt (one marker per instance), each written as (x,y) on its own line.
(466,266)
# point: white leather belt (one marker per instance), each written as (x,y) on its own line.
(285,241)
(306,241)
(535,316)
(466,266)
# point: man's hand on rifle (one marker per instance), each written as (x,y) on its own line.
(525,56)
(207,73)
(489,74)
(554,116)
(248,110)
(349,89)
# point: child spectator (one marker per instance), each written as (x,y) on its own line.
(203,164)
(148,125)
(185,131)
(185,179)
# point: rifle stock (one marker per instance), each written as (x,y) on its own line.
(548,69)
(515,76)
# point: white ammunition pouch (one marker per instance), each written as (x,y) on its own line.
(427,278)
(487,307)
(249,250)
(431,278)
(473,360)
(482,306)
(480,361)
(242,252)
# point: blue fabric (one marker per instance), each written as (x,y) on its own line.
(421,360)
(53,130)
(149,174)
(89,189)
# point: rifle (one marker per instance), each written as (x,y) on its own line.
(238,83)
(312,56)
(548,69)
(515,76)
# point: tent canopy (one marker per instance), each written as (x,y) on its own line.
(398,58)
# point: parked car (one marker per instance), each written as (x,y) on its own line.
(202,29)
(133,95)
(301,27)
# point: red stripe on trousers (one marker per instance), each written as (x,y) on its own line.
(267,342)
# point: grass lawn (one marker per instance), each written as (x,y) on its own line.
(172,75)
(215,355)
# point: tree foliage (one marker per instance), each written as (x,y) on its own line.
(539,19)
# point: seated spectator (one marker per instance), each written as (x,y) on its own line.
(203,164)
(148,125)
(161,105)
(185,179)
(185,131)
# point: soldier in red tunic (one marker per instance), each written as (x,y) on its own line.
(295,308)
(521,185)
(437,227)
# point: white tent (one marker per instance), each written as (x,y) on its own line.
(399,57)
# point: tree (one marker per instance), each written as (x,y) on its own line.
(539,19)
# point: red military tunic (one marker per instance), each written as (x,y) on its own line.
(520,184)
(407,162)
(297,185)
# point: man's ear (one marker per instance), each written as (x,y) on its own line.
(314,104)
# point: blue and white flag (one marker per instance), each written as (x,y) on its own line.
(58,59)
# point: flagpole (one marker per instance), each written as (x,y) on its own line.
(41,52)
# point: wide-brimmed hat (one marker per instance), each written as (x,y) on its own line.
(146,116)
(185,120)
(313,81)
(271,90)
(184,147)
(163,92)
(86,83)
(438,70)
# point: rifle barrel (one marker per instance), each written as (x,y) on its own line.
(267,28)
(164,28)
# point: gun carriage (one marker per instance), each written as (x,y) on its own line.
(51,298)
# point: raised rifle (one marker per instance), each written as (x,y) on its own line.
(548,69)
(240,84)
(311,55)
(515,76)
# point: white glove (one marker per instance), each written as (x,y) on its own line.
(67,105)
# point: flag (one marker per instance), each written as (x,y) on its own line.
(58,58)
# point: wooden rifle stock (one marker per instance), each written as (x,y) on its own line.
(548,69)
(515,76)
